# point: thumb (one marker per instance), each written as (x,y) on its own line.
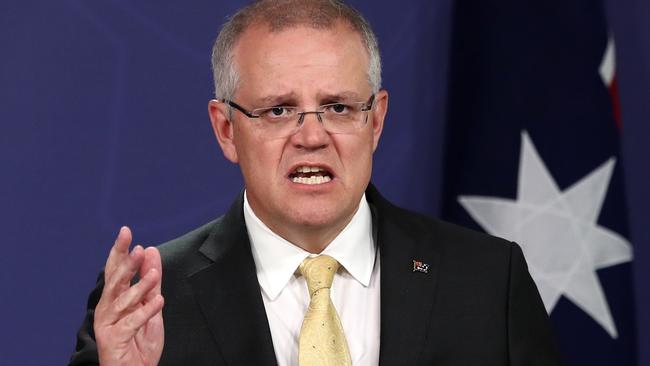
(151,261)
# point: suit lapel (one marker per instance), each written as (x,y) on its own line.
(229,296)
(407,296)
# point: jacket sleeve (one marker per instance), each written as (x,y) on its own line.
(86,349)
(530,336)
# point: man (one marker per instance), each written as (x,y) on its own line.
(311,265)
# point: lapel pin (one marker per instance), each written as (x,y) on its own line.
(419,266)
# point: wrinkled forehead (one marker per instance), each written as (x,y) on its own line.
(301,57)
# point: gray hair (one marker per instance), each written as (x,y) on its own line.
(282,14)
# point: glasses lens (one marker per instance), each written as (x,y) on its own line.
(344,118)
(275,122)
(280,121)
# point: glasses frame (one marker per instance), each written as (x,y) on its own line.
(301,115)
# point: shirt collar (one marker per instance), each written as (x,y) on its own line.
(276,259)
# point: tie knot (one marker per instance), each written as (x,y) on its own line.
(319,272)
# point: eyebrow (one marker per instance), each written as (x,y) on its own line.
(345,95)
(291,98)
(277,99)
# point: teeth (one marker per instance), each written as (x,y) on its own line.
(308,169)
(311,180)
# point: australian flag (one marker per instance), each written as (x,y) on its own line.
(533,156)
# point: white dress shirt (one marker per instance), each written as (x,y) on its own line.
(355,290)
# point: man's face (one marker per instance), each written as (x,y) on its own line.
(301,67)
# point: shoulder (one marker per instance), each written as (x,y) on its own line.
(454,243)
(182,256)
(451,238)
(190,241)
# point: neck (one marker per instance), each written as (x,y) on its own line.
(313,238)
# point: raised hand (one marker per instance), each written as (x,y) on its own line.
(128,318)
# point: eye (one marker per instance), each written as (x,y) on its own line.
(277,112)
(339,108)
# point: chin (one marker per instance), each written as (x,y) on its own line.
(312,216)
(320,216)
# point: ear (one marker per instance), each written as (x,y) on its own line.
(223,129)
(378,115)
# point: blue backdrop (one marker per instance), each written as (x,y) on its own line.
(103,108)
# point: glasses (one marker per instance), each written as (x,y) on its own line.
(283,121)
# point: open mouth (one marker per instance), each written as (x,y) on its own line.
(310,175)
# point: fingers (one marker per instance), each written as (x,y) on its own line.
(119,279)
(126,312)
(133,297)
(120,249)
(151,262)
(131,323)
(118,295)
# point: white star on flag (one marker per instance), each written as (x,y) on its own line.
(558,231)
(607,68)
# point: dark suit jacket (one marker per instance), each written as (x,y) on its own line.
(477,305)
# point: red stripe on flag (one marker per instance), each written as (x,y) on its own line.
(616,104)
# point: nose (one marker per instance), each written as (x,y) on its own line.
(311,134)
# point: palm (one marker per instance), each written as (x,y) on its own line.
(146,347)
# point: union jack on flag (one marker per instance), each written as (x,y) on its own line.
(419,266)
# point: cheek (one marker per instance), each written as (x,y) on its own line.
(356,152)
(257,157)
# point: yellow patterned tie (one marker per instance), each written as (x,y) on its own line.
(322,341)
